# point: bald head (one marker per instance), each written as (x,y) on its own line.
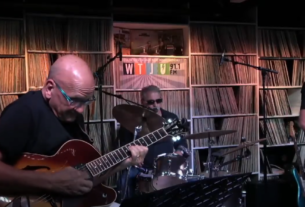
(69,76)
(71,70)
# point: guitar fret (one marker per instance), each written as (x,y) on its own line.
(98,166)
(116,156)
(162,132)
(125,148)
(107,161)
(143,142)
(91,168)
(99,161)
(138,142)
(152,137)
(119,154)
(156,135)
(123,152)
(147,140)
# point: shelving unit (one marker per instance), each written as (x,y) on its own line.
(208,95)
(282,49)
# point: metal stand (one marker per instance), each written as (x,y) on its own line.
(100,77)
(210,164)
(243,139)
(237,158)
(263,73)
(128,101)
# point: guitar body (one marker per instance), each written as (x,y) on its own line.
(72,153)
(301,193)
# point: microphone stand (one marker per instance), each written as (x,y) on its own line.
(119,96)
(100,77)
(264,72)
(243,139)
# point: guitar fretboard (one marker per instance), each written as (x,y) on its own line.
(110,159)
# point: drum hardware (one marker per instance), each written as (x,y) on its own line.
(243,140)
(210,164)
(211,133)
(169,169)
(208,134)
(243,145)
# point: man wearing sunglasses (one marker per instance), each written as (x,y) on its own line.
(41,121)
(150,97)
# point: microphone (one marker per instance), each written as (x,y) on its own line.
(222,59)
(120,51)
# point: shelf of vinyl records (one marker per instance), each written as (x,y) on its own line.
(280,42)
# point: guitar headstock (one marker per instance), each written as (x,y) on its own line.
(176,127)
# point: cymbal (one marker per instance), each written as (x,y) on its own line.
(243,146)
(131,116)
(207,134)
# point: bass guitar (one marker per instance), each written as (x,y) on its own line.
(83,156)
(299,174)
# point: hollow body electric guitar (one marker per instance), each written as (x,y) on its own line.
(82,156)
(299,174)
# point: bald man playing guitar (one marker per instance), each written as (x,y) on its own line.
(40,122)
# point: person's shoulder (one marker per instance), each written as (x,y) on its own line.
(28,101)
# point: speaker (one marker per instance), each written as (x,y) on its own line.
(279,193)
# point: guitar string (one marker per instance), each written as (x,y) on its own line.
(48,197)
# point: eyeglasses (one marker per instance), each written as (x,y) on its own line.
(151,102)
(74,101)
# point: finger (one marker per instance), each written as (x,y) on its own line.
(143,151)
(85,175)
(134,153)
(87,184)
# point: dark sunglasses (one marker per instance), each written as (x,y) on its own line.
(150,102)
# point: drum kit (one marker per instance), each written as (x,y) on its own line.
(172,169)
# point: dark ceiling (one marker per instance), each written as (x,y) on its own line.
(270,12)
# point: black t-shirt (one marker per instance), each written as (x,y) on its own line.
(166,146)
(29,125)
(303,96)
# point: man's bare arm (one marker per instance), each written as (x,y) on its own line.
(14,181)
(68,181)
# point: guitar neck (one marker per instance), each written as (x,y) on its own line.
(110,159)
(297,151)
